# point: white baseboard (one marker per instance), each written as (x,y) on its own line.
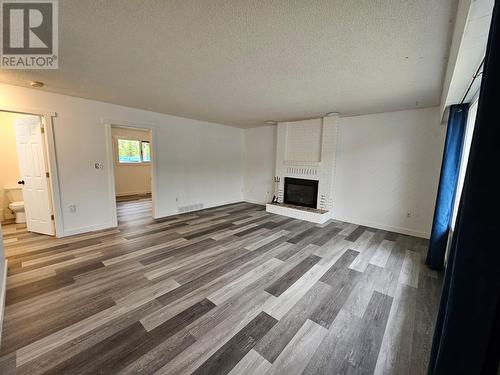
(3,292)
(407,231)
(90,228)
(111,224)
(173,213)
(256,202)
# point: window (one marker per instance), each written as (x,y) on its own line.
(469,131)
(146,152)
(132,151)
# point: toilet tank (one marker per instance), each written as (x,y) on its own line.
(14,193)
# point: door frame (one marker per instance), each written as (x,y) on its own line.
(50,157)
(108,125)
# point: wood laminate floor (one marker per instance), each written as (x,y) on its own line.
(227,290)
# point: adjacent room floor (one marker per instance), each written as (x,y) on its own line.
(224,290)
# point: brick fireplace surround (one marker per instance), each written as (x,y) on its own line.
(306,149)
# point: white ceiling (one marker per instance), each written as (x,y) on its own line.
(241,62)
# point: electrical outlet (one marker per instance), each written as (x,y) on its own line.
(98,165)
(408,214)
(72,208)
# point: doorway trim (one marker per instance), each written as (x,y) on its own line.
(108,125)
(50,159)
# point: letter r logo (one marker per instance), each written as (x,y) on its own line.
(27,28)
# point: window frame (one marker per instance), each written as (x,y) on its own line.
(141,141)
(464,159)
(142,152)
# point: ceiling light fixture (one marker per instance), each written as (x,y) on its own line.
(330,114)
(36,84)
(271,122)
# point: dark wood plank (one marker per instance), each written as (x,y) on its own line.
(343,283)
(327,235)
(304,235)
(284,282)
(224,359)
(356,233)
(370,334)
(128,345)
(211,230)
(271,345)
(391,236)
(186,250)
(49,320)
(79,269)
(342,263)
(36,288)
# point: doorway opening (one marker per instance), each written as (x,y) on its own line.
(132,161)
(25,185)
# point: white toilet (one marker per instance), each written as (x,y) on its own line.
(16,205)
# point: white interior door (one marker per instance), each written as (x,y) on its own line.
(34,179)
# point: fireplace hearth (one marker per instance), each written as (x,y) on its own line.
(301,192)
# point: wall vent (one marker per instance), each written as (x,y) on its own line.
(191,207)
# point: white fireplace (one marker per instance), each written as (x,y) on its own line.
(306,150)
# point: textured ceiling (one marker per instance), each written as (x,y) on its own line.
(241,62)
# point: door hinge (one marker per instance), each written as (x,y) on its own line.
(47,174)
(52,217)
(42,129)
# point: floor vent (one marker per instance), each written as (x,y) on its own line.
(191,207)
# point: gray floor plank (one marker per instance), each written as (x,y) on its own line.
(230,289)
(271,345)
(224,359)
(293,275)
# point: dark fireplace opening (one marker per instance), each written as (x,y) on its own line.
(301,192)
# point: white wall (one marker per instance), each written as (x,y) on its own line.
(388,165)
(197,162)
(131,178)
(259,164)
(9,165)
(3,283)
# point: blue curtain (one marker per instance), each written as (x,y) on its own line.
(450,168)
(467,334)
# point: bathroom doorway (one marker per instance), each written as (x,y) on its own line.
(25,198)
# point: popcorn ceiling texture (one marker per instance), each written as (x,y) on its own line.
(242,62)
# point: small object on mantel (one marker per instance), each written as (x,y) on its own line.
(277,181)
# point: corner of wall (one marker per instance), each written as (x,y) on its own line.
(3,283)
